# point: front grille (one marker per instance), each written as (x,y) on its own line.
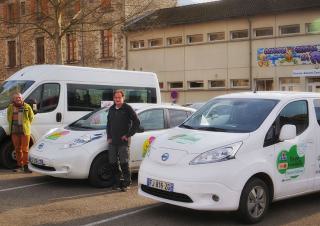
(48,168)
(166,194)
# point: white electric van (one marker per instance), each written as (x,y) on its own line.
(239,151)
(62,94)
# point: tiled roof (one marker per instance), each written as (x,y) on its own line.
(217,10)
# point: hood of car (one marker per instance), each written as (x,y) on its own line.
(196,141)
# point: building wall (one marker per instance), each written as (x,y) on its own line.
(227,59)
(88,43)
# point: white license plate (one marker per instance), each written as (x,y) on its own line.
(166,186)
(36,161)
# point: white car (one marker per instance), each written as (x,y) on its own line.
(79,151)
(238,152)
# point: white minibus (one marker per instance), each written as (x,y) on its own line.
(61,94)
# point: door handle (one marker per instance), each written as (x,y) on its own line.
(58,117)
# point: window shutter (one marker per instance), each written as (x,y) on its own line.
(77,6)
(33,7)
(106,3)
(5,13)
(44,7)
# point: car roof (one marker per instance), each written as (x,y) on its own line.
(278,95)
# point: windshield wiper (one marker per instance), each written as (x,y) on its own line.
(186,126)
(210,128)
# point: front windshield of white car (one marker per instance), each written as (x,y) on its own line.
(9,87)
(236,115)
(96,120)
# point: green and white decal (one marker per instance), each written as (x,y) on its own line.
(290,163)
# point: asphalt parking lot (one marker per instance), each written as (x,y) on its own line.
(33,199)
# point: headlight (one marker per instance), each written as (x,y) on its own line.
(82,140)
(217,154)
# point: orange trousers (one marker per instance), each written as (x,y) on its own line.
(21,146)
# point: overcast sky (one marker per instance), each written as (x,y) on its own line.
(188,2)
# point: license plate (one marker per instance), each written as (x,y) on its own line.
(36,161)
(166,186)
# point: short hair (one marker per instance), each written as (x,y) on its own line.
(15,94)
(119,91)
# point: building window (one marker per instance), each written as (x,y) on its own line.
(196,84)
(291,84)
(239,34)
(137,44)
(23,8)
(264,84)
(40,50)
(71,47)
(38,9)
(106,4)
(161,85)
(11,14)
(217,84)
(175,85)
(174,41)
(155,42)
(239,83)
(217,36)
(313,27)
(289,29)
(263,32)
(106,44)
(12,54)
(195,38)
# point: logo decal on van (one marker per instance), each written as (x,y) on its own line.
(290,163)
(186,138)
(57,135)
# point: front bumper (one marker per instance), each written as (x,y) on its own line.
(201,194)
(73,164)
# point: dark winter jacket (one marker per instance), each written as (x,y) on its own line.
(121,122)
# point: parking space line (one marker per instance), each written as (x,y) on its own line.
(25,186)
(121,215)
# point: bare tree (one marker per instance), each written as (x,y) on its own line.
(58,17)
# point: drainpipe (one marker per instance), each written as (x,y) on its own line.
(250,53)
(126,50)
(82,41)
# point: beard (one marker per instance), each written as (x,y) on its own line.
(18,104)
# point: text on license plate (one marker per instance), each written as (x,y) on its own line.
(36,161)
(166,186)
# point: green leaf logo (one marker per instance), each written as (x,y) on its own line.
(290,163)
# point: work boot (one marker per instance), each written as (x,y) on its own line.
(26,169)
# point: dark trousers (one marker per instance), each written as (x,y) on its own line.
(120,153)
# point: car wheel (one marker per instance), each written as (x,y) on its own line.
(8,155)
(254,201)
(100,172)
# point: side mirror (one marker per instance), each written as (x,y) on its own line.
(288,132)
(140,129)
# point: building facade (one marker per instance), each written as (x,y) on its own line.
(201,51)
(95,42)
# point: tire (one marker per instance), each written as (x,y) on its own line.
(254,201)
(8,156)
(100,175)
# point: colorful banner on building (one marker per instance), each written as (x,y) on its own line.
(292,55)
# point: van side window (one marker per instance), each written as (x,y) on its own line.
(83,97)
(46,96)
(87,97)
(295,113)
(317,109)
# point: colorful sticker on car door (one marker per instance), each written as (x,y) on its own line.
(290,163)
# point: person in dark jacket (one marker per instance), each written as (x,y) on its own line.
(122,124)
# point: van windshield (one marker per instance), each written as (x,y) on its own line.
(96,120)
(231,115)
(9,87)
